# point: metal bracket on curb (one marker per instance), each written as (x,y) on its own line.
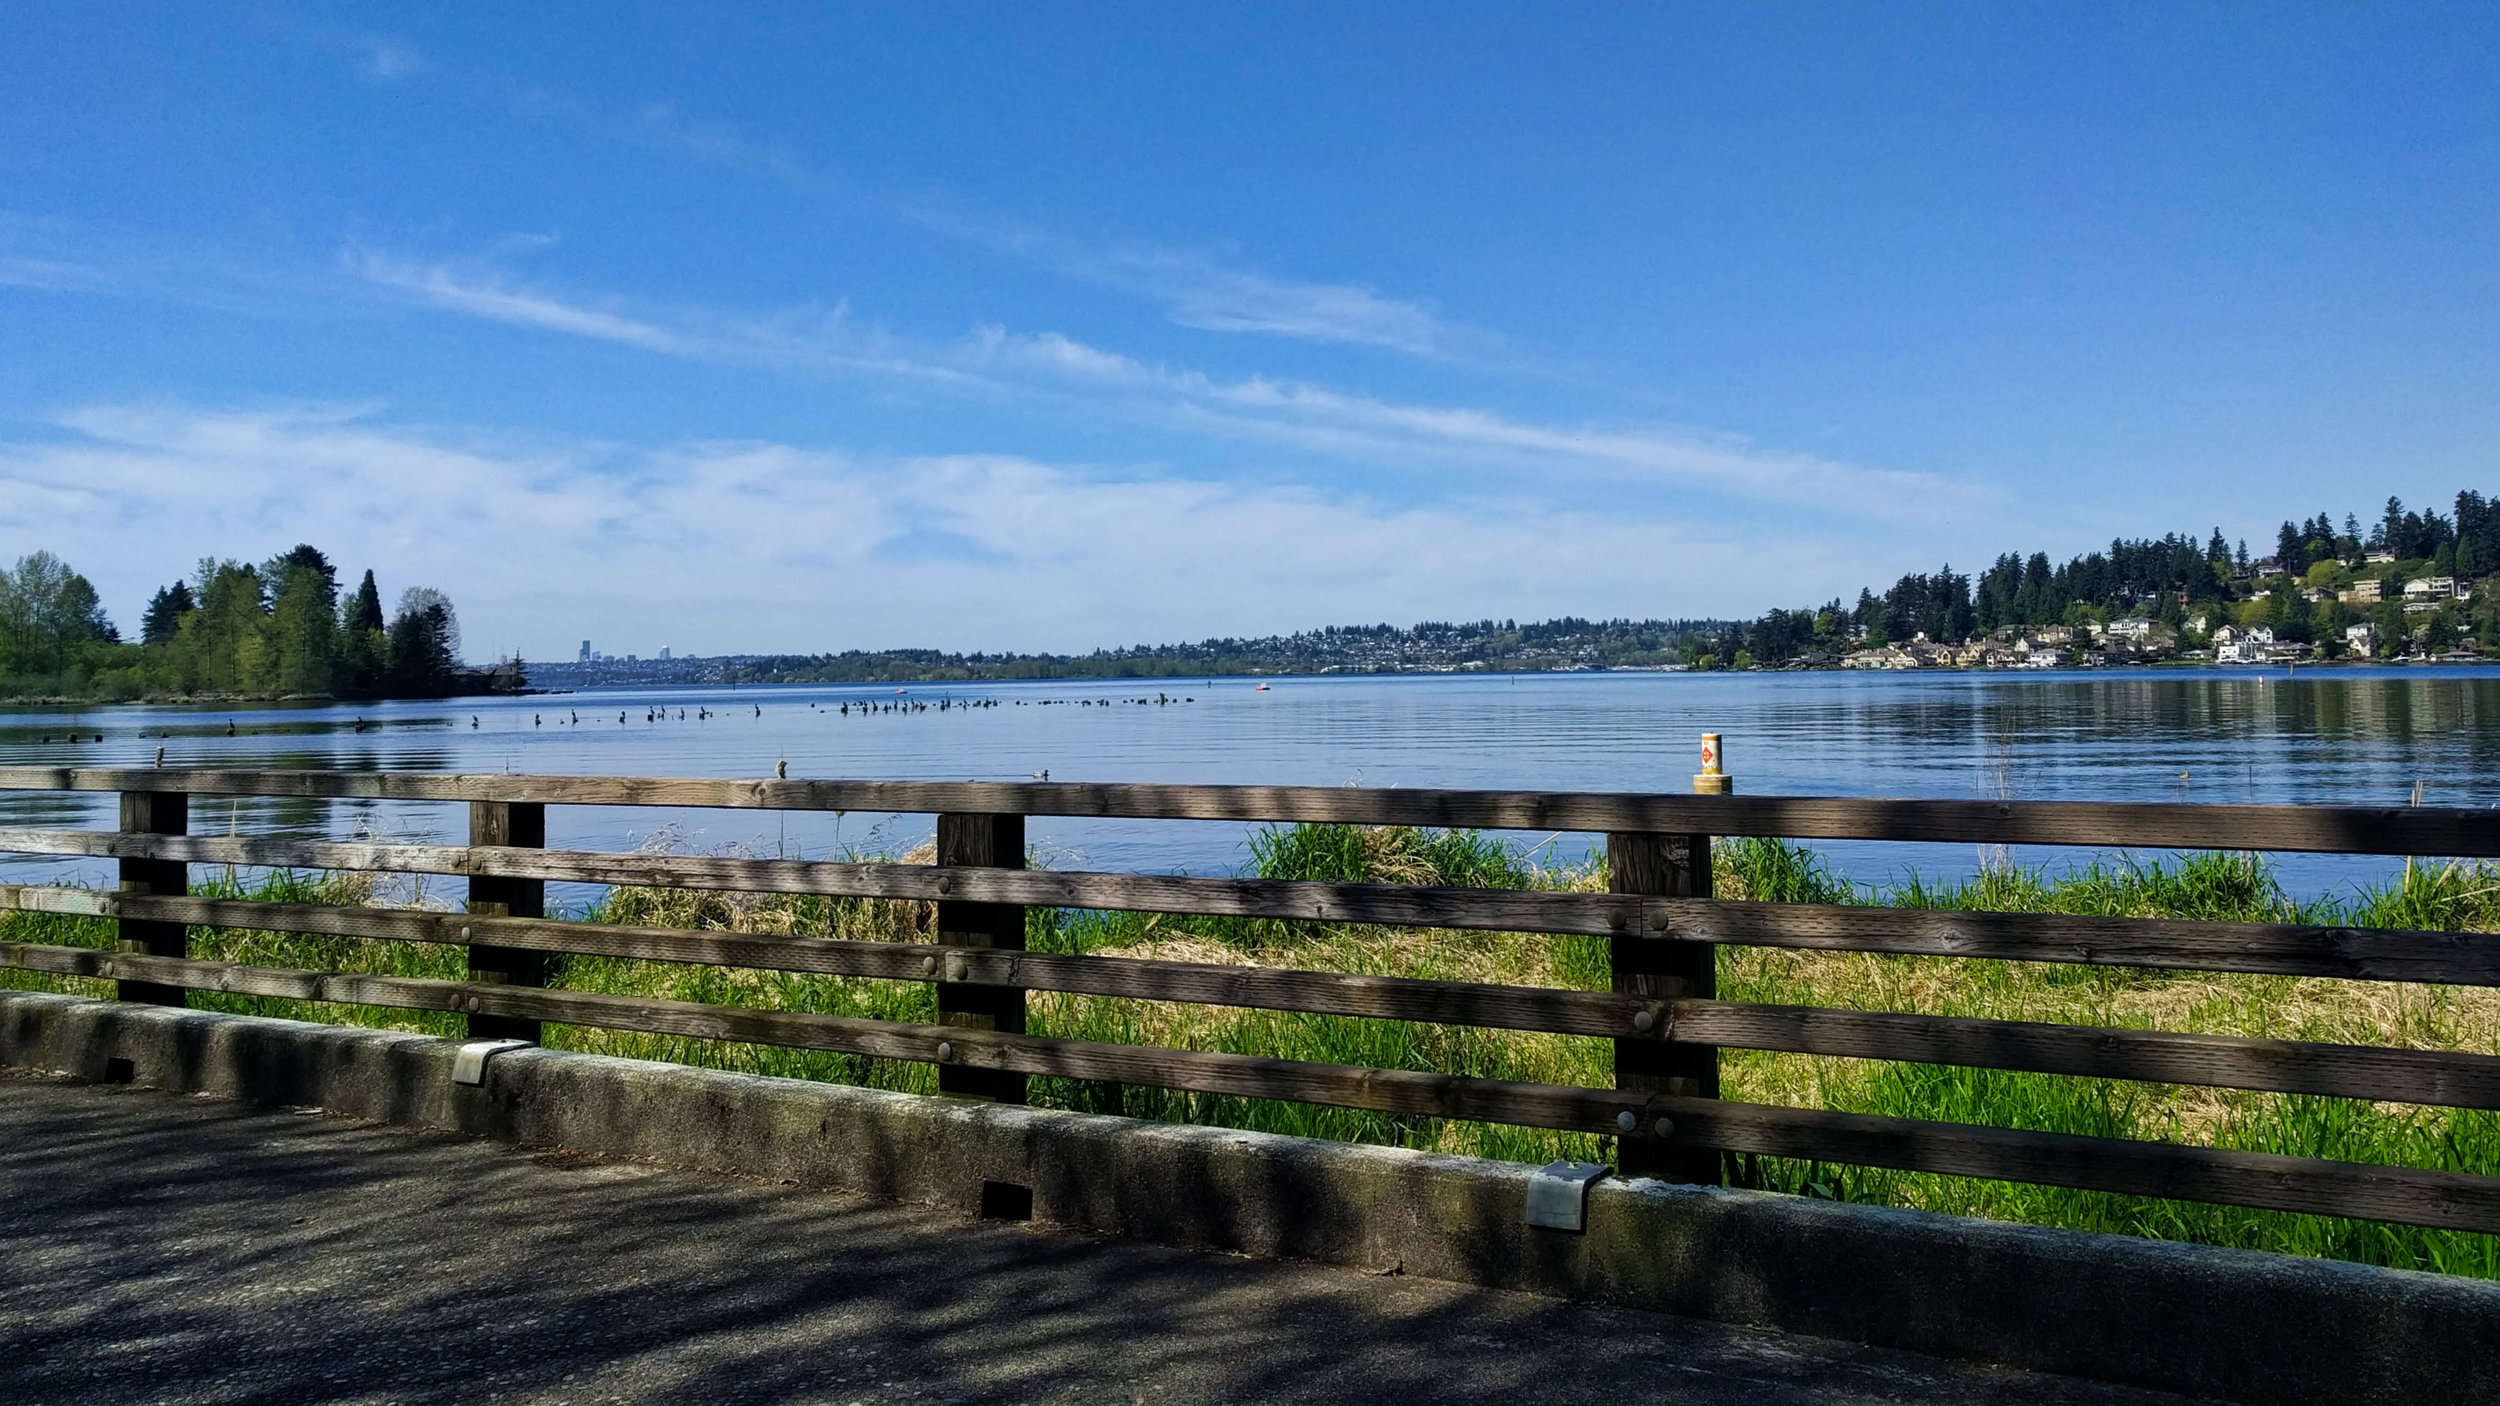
(468,1064)
(1558,1194)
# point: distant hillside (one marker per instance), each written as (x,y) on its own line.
(2324,581)
(1430,647)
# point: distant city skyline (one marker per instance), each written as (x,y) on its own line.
(1051,330)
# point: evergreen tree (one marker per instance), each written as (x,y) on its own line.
(309,558)
(425,645)
(364,644)
(364,608)
(2037,600)
(166,608)
(304,623)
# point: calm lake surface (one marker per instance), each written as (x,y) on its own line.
(2357,736)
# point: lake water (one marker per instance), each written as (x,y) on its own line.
(2356,736)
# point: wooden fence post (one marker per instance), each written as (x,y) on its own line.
(995,842)
(515,825)
(1672,866)
(154,813)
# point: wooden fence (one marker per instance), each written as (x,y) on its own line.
(1662,922)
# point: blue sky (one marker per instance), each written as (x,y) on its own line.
(809,327)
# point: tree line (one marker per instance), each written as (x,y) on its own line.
(2175,579)
(1432,645)
(274,628)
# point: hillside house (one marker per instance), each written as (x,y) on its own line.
(2254,646)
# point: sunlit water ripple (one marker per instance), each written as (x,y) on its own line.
(2353,736)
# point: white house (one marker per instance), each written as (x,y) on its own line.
(2135,629)
(2251,647)
(2360,639)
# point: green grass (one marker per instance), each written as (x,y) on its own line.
(2204,886)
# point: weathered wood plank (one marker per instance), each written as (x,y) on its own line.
(2288,949)
(967,1000)
(506,825)
(154,813)
(2416,830)
(2440,1199)
(1665,970)
(2373,1072)
(1498,910)
(2283,949)
(2444,1200)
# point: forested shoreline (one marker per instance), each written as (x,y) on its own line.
(2409,585)
(2412,585)
(274,629)
(2322,579)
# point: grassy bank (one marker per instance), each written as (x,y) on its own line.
(2221,886)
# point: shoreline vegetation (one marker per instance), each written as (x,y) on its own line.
(233,631)
(2413,587)
(2218,886)
(2410,588)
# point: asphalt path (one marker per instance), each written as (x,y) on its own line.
(157,1248)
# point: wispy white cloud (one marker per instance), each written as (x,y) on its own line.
(1196,289)
(439,286)
(777,546)
(1385,432)
(390,58)
(1316,418)
(796,339)
(1200,292)
(721,145)
(384,56)
(51,275)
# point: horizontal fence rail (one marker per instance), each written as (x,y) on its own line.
(2440,1199)
(2156,1056)
(982,1049)
(2401,830)
(2280,949)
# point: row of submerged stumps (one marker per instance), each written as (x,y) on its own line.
(910,706)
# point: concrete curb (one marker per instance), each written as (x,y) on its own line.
(2231,1324)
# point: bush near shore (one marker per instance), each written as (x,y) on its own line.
(2206,886)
